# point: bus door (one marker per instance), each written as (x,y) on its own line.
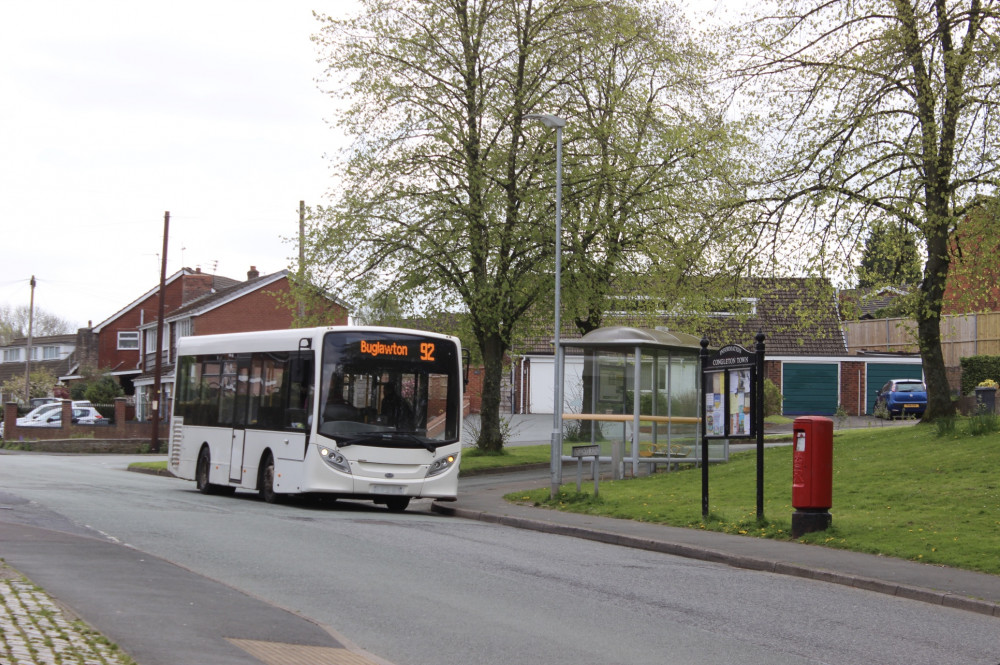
(239,419)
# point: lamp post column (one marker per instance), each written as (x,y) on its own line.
(557,123)
(557,407)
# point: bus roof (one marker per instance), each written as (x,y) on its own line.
(287,339)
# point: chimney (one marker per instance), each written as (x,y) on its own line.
(252,273)
(195,285)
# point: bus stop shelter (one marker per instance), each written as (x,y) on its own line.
(640,396)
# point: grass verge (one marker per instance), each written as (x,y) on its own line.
(909,492)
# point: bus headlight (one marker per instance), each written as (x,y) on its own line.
(441,464)
(335,459)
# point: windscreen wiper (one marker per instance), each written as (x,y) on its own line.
(382,437)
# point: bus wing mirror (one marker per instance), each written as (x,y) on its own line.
(466,359)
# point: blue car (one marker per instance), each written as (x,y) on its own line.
(902,397)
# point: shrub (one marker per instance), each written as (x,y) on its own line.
(977,369)
(103,391)
(772,399)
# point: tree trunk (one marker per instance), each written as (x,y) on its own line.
(491,434)
(928,315)
(588,428)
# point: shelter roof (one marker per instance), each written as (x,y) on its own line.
(628,337)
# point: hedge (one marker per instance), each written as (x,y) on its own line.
(976,369)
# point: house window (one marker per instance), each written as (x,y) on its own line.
(182,328)
(128,340)
(151,341)
(50,353)
(12,355)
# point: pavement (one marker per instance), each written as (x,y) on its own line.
(62,589)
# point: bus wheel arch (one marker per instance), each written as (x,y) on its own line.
(203,472)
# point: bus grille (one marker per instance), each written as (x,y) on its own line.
(176,437)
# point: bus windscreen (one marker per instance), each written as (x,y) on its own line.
(389,389)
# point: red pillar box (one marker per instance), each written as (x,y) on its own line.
(812,474)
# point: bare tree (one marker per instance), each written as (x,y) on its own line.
(14,323)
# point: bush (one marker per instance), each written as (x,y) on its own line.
(103,391)
(772,399)
(976,369)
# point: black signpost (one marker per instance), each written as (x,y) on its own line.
(732,382)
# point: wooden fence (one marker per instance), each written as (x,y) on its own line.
(961,335)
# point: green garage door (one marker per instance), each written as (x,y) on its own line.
(880,373)
(809,389)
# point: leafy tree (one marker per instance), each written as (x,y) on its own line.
(649,164)
(446,198)
(14,323)
(873,110)
(890,258)
(440,206)
(41,383)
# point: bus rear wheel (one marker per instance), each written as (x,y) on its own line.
(201,473)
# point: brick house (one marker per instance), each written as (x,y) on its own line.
(251,305)
(61,355)
(805,351)
(974,275)
(118,336)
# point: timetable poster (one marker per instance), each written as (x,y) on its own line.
(739,402)
(715,405)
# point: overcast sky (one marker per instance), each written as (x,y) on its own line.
(113,112)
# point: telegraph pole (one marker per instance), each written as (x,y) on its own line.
(302,259)
(27,357)
(154,445)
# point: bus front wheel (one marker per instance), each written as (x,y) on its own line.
(266,483)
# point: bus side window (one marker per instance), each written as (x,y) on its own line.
(298,414)
(228,388)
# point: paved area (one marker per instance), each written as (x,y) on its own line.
(156,612)
(35,629)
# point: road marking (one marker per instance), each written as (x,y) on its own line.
(277,653)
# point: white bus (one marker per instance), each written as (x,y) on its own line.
(352,412)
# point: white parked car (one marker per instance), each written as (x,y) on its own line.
(46,410)
(40,414)
(83,414)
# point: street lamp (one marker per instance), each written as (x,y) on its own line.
(552,121)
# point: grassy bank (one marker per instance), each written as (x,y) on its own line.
(904,492)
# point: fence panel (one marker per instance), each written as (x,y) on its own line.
(962,335)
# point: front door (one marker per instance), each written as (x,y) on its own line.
(239,419)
